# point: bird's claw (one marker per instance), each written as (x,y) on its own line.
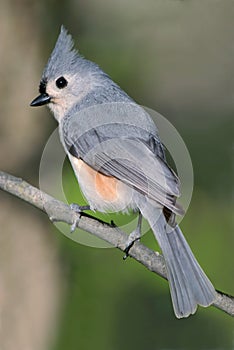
(133,237)
(75,223)
(78,209)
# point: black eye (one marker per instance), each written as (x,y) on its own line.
(61,83)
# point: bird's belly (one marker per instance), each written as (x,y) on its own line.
(103,193)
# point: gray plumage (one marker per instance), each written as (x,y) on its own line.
(188,283)
(102,126)
(65,59)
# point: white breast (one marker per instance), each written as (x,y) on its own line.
(103,193)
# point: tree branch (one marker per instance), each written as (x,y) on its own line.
(59,211)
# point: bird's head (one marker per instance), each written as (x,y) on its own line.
(67,77)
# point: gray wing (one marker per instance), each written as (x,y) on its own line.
(136,162)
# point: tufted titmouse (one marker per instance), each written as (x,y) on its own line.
(120,163)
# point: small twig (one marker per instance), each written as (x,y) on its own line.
(59,211)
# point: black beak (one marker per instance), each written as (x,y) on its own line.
(40,100)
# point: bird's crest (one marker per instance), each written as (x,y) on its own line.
(63,58)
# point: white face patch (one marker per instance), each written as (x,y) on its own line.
(63,99)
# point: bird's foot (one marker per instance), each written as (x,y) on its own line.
(78,209)
(132,238)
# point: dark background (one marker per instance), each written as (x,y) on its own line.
(175,57)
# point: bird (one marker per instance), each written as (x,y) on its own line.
(120,164)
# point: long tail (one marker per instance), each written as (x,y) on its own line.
(188,283)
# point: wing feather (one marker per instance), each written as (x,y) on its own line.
(132,162)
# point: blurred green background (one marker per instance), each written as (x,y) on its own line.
(176,57)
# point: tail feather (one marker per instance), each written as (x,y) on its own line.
(188,283)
